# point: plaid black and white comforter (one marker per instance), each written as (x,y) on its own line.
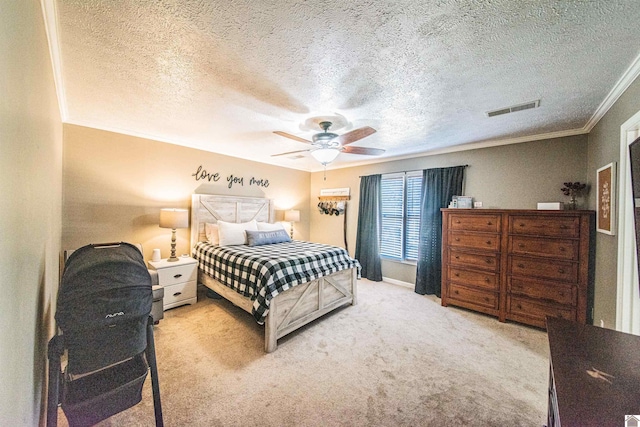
(262,272)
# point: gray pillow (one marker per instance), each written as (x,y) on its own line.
(257,238)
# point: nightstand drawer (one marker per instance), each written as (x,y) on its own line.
(177,293)
(178,274)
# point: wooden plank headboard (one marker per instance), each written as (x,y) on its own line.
(209,208)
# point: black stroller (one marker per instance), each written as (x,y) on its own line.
(104,313)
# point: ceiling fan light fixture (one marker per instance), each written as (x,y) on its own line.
(325,155)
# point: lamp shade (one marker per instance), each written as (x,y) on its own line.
(292,215)
(325,155)
(174,218)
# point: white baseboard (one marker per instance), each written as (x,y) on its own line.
(399,283)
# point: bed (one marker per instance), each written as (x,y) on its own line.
(324,279)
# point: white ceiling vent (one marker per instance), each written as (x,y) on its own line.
(514,108)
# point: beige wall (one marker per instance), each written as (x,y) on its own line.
(115,185)
(509,177)
(30,203)
(604,148)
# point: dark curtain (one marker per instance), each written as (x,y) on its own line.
(369,217)
(438,186)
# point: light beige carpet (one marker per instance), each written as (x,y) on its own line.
(395,359)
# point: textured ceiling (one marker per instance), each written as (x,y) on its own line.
(222,75)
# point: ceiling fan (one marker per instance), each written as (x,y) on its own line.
(327,145)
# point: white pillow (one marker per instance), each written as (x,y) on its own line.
(211,231)
(267,226)
(231,233)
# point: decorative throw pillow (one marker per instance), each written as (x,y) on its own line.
(257,238)
(267,226)
(211,231)
(231,233)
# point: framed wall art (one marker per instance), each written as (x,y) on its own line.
(606,202)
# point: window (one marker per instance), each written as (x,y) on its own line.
(399,237)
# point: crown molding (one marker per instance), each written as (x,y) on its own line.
(462,147)
(50,16)
(618,89)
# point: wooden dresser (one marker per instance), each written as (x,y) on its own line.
(520,265)
(594,375)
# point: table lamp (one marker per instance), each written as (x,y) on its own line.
(292,215)
(174,218)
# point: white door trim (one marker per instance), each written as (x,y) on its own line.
(628,295)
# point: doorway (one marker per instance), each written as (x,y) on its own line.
(628,294)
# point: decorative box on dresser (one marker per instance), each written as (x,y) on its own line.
(179,280)
(520,265)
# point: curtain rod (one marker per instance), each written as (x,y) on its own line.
(415,170)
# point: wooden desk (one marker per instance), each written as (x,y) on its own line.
(577,353)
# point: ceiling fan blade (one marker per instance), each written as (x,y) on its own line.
(290,152)
(363,150)
(355,135)
(288,135)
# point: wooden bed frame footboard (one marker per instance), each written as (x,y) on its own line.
(296,306)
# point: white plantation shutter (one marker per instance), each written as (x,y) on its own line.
(400,215)
(412,223)
(392,187)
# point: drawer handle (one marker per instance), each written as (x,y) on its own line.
(521,265)
(519,306)
(486,279)
(456,292)
(488,261)
(457,221)
(561,293)
(521,245)
(522,224)
(488,242)
(457,239)
(177,294)
(486,299)
(457,257)
(561,270)
(562,249)
(456,274)
(177,276)
(563,227)
(489,223)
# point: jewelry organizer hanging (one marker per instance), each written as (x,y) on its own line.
(335,205)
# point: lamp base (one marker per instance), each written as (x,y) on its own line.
(173,257)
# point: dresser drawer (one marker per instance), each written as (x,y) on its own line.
(524,307)
(478,279)
(553,248)
(565,271)
(178,274)
(553,226)
(489,261)
(488,223)
(179,292)
(544,291)
(472,296)
(475,241)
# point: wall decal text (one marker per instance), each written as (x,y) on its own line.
(203,174)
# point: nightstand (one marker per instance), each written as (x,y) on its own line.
(179,280)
